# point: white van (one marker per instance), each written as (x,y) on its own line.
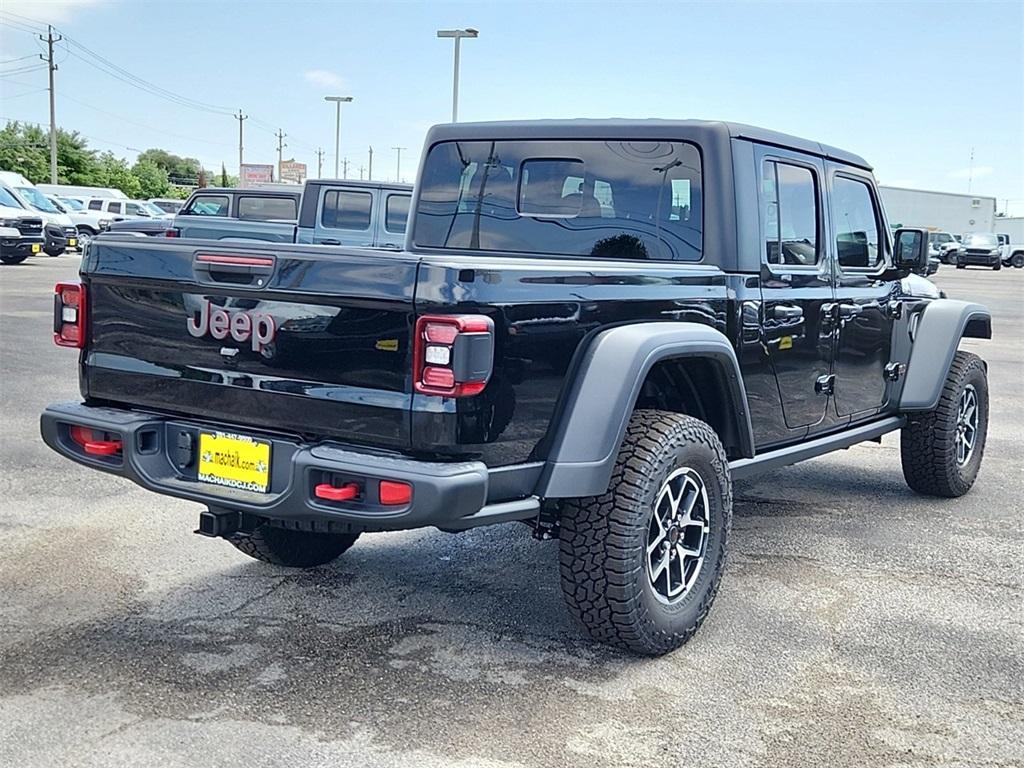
(60,231)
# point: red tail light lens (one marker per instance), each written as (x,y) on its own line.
(69,315)
(452,354)
(173,232)
(393,493)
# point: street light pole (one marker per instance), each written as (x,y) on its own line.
(398,164)
(457,35)
(337,128)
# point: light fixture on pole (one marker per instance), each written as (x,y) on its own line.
(457,34)
(337,128)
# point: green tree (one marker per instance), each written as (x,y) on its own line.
(114,172)
(180,170)
(224,176)
(24,149)
(152,178)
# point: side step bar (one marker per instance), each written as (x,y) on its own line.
(783,457)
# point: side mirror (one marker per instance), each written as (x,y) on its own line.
(911,252)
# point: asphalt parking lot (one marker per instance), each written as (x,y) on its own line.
(858,624)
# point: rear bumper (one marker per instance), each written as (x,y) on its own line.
(158,455)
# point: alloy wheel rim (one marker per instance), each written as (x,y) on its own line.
(677,535)
(966,424)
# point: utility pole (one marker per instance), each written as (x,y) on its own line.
(280,149)
(51,67)
(240,118)
(369,172)
(362,168)
(398,166)
(970,172)
(320,163)
(344,168)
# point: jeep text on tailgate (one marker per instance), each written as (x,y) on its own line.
(594,328)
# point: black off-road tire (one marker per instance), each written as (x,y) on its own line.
(997,266)
(292,549)
(602,539)
(1017,260)
(928,441)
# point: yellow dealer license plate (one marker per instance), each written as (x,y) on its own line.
(72,242)
(36,247)
(235,461)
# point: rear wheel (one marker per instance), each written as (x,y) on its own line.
(641,564)
(1017,260)
(292,549)
(941,450)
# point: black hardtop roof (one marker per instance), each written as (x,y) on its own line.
(361,183)
(701,131)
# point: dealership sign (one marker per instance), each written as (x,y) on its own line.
(254,174)
(292,171)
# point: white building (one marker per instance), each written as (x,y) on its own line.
(940,211)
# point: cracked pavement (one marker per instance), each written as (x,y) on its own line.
(857,624)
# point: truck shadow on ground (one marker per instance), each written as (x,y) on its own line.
(415,620)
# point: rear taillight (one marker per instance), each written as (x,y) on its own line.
(69,315)
(452,354)
(172,232)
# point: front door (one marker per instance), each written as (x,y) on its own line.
(864,302)
(796,283)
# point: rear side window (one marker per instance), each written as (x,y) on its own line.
(396,213)
(113,207)
(95,205)
(208,205)
(346,209)
(266,208)
(790,209)
(133,208)
(602,199)
(856,224)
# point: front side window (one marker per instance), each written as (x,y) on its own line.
(70,202)
(267,208)
(134,209)
(602,199)
(396,213)
(208,205)
(790,209)
(345,209)
(858,243)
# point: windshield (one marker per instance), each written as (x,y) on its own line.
(38,199)
(981,240)
(9,200)
(74,205)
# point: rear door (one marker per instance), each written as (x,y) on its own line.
(392,217)
(865,302)
(310,341)
(796,284)
(344,216)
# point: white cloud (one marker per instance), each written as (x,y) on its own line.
(49,11)
(978,172)
(324,78)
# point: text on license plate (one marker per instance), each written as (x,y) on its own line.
(235,461)
(36,247)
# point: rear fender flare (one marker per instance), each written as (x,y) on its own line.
(597,406)
(936,337)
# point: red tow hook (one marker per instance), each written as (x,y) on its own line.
(102,447)
(329,492)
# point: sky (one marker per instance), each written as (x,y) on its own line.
(913,87)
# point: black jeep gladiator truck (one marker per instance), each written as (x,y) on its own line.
(594,328)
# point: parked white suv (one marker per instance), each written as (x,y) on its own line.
(59,231)
(126,209)
(88,223)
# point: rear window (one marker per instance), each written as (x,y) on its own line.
(266,208)
(345,209)
(208,205)
(604,199)
(396,213)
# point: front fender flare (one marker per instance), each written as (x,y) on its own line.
(605,388)
(941,325)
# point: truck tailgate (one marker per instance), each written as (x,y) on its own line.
(298,339)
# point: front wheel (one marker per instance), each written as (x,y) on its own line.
(941,449)
(292,549)
(997,266)
(641,564)
(85,237)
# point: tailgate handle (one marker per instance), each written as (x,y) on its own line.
(236,269)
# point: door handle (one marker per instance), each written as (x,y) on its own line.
(330,242)
(786,312)
(846,311)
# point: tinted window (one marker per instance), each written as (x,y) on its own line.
(344,209)
(265,208)
(7,199)
(135,209)
(71,203)
(790,203)
(95,205)
(208,205)
(605,199)
(114,207)
(396,213)
(856,225)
